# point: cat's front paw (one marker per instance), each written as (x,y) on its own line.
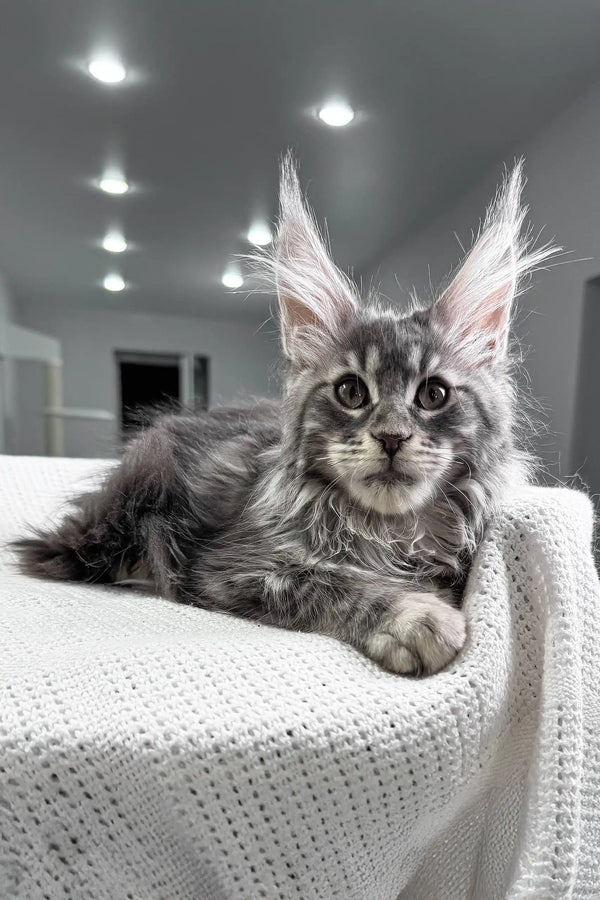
(421,635)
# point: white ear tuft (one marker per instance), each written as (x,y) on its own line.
(313,293)
(475,308)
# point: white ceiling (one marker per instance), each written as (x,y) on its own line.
(218,89)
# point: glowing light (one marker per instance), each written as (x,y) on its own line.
(113,185)
(232,279)
(113,282)
(336,114)
(114,242)
(260,234)
(107,69)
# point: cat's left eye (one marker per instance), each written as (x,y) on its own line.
(352,392)
(432,395)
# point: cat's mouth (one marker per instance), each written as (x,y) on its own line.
(389,476)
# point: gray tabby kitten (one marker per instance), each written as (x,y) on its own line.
(353,506)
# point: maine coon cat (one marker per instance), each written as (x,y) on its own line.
(353,506)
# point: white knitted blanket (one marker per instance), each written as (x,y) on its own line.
(150,750)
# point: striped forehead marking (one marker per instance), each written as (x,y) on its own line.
(414,356)
(372,360)
(433,364)
(352,361)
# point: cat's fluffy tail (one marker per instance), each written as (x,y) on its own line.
(45,556)
(114,534)
(81,548)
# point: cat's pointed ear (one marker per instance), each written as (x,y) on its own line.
(475,309)
(313,293)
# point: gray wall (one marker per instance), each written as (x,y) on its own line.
(562,164)
(7,374)
(585,457)
(243,361)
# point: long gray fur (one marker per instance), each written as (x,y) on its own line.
(292,513)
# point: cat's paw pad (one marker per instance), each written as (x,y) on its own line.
(421,636)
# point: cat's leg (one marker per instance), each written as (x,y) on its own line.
(421,633)
(405,627)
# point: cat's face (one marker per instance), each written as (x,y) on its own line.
(394,407)
(391,416)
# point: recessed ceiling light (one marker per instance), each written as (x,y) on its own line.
(113,185)
(337,114)
(259,234)
(113,282)
(114,242)
(107,69)
(232,279)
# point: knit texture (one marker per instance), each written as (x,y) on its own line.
(152,750)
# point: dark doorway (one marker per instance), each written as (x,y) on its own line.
(200,398)
(146,380)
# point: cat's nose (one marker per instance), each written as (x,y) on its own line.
(391,443)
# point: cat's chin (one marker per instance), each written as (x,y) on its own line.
(389,496)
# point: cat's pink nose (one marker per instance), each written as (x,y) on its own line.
(391,443)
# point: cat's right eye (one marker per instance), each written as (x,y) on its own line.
(352,392)
(432,395)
